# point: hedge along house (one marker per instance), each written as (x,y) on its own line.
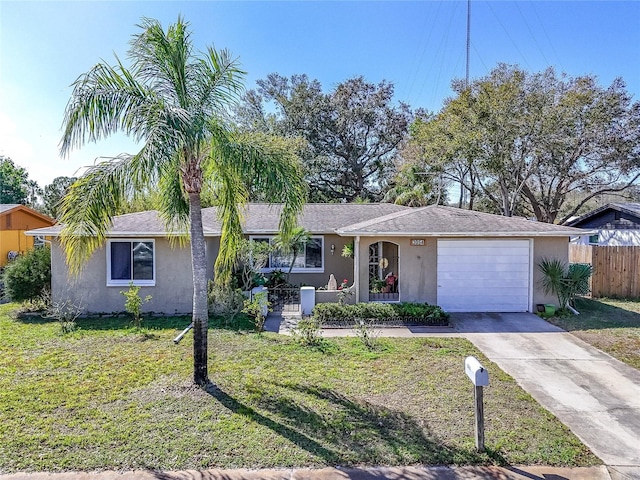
(458,259)
(15,220)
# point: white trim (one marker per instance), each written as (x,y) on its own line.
(560,233)
(126,283)
(532,246)
(356,267)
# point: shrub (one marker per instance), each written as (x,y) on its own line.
(344,292)
(564,281)
(367,335)
(133,303)
(422,313)
(308,331)
(65,311)
(29,275)
(255,308)
(225,301)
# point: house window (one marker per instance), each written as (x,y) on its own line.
(594,239)
(309,259)
(131,261)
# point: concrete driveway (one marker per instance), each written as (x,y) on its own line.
(595,395)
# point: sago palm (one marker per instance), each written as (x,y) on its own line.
(173,102)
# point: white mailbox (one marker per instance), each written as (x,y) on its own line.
(476,372)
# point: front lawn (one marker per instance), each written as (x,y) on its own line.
(612,326)
(108,397)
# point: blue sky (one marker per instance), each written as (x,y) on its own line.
(419,46)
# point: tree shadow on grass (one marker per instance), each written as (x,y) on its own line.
(596,315)
(293,435)
(342,431)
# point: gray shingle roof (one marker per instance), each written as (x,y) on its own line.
(351,219)
(258,218)
(316,217)
(436,220)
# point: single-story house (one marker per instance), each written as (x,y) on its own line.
(461,260)
(15,220)
(617,224)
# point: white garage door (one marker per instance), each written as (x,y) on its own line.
(483,275)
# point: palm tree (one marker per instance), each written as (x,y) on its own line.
(292,243)
(174,102)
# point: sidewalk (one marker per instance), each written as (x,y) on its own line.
(397,473)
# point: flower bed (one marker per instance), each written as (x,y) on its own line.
(380,314)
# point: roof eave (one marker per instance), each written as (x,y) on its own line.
(467,234)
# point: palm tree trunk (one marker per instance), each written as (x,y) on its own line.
(200,309)
(294,253)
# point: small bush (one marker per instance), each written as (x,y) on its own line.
(28,276)
(367,335)
(308,331)
(65,311)
(225,301)
(420,313)
(255,308)
(133,303)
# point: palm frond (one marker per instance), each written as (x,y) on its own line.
(87,208)
(232,196)
(223,80)
(160,59)
(174,204)
(270,165)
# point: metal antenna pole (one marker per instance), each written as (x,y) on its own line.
(468,40)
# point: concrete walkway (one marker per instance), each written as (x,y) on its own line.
(595,395)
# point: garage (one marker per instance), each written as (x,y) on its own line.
(484,275)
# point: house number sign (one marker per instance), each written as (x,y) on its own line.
(417,242)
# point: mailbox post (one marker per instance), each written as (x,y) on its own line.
(480,378)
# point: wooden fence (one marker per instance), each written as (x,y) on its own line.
(616,270)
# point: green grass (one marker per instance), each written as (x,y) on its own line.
(611,325)
(108,397)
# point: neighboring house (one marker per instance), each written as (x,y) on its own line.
(459,259)
(617,224)
(15,220)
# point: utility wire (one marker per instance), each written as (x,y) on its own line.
(439,50)
(420,58)
(544,30)
(535,40)
(509,36)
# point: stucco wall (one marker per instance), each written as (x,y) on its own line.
(172,293)
(341,267)
(547,247)
(417,273)
(213,247)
